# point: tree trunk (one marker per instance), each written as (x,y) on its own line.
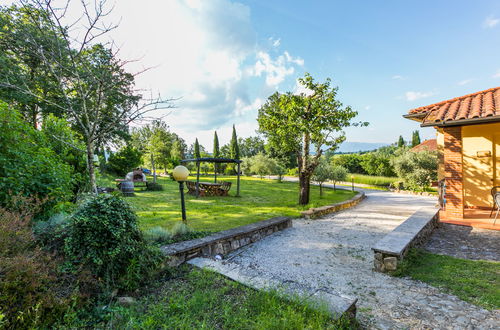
(304,182)
(153,168)
(90,166)
(320,190)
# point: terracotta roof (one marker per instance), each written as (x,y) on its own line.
(429,145)
(481,106)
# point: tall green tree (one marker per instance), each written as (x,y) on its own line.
(197,149)
(233,146)
(251,146)
(93,89)
(216,151)
(296,122)
(401,142)
(415,140)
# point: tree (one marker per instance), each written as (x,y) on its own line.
(123,161)
(197,149)
(93,88)
(178,151)
(352,162)
(233,146)
(415,140)
(262,165)
(251,146)
(321,174)
(294,122)
(401,142)
(417,169)
(216,151)
(338,173)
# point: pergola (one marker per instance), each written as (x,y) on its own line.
(215,161)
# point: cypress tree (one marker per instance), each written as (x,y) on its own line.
(401,142)
(415,139)
(196,149)
(233,146)
(216,146)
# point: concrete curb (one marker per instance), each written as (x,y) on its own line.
(317,212)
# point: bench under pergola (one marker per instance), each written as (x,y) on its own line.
(214,161)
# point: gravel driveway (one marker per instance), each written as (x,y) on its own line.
(335,252)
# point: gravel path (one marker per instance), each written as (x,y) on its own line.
(335,252)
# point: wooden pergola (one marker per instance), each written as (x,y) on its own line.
(214,161)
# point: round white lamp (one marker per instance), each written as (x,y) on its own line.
(180,174)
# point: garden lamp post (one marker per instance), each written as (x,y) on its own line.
(180,174)
(352,182)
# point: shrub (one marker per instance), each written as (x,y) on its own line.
(33,292)
(158,235)
(417,169)
(352,162)
(377,163)
(181,229)
(123,161)
(154,186)
(52,232)
(103,236)
(293,171)
(27,167)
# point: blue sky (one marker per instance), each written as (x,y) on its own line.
(390,56)
(223,58)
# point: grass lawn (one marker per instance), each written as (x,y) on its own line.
(383,181)
(199,299)
(260,199)
(475,281)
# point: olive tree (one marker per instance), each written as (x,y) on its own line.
(321,174)
(297,123)
(337,174)
(417,169)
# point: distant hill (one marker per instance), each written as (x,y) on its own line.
(359,146)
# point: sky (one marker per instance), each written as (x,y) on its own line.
(221,59)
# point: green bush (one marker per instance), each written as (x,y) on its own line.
(293,172)
(377,163)
(52,232)
(352,162)
(417,169)
(154,187)
(28,167)
(34,292)
(123,161)
(158,235)
(103,237)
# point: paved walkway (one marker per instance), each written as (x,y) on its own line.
(335,252)
(465,242)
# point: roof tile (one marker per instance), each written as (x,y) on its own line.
(478,105)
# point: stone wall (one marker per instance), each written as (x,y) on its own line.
(414,232)
(223,242)
(317,212)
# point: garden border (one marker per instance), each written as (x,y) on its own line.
(225,241)
(314,213)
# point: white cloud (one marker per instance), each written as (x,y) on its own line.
(413,96)
(497,75)
(464,82)
(300,89)
(275,42)
(206,53)
(368,107)
(275,70)
(398,77)
(490,22)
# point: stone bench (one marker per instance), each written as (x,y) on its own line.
(223,242)
(415,230)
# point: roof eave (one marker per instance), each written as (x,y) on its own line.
(415,116)
(462,122)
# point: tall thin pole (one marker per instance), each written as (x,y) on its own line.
(154,168)
(215,171)
(238,185)
(197,179)
(183,205)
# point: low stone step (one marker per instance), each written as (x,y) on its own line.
(339,305)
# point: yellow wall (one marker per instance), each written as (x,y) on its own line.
(480,172)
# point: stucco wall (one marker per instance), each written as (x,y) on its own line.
(481,151)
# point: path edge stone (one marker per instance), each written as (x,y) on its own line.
(314,213)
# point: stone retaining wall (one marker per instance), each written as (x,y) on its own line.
(223,242)
(317,212)
(413,232)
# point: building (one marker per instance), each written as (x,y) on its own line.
(427,145)
(468,143)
